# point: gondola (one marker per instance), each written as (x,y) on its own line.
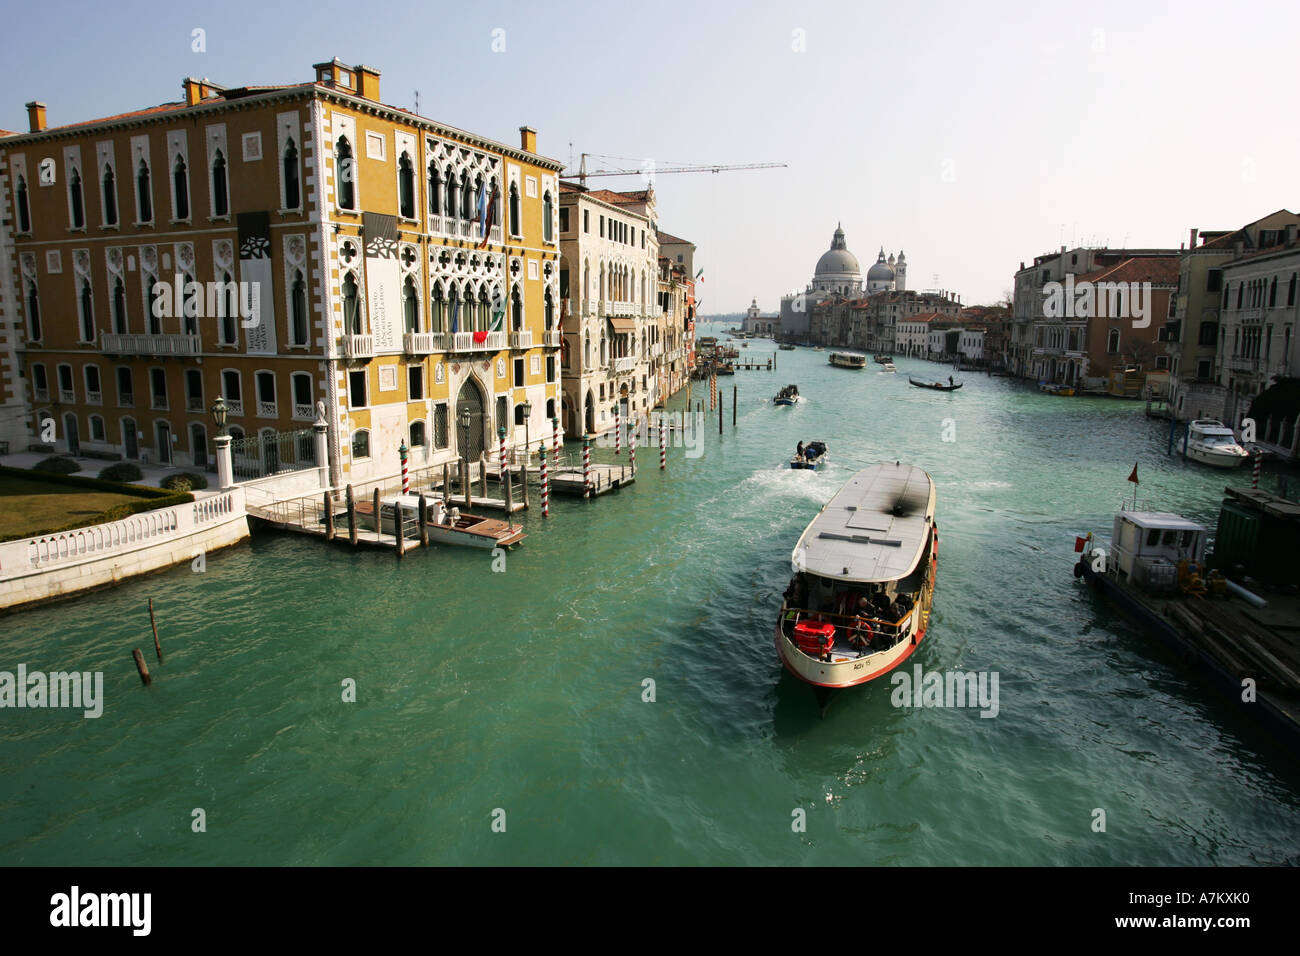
(936,386)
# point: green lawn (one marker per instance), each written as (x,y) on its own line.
(27,507)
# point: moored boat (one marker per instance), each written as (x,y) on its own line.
(447,524)
(864,572)
(1212,443)
(1055,388)
(809,457)
(848,360)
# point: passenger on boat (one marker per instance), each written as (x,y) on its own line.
(798,450)
(950,382)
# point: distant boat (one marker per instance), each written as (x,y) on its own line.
(883,359)
(813,457)
(786,348)
(864,571)
(848,360)
(1213,443)
(889,367)
(789,395)
(938,387)
(1055,388)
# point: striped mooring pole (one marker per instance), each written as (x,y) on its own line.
(546,485)
(555,437)
(713,391)
(663,452)
(633,436)
(618,432)
(406,481)
(586,465)
(501,431)
(1254,474)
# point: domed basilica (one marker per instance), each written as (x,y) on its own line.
(838,272)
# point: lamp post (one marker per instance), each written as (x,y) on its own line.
(225,461)
(528,414)
(220,414)
(465,418)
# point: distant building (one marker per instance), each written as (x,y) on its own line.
(838,277)
(756,324)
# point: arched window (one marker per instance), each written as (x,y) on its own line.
(110,197)
(1272,293)
(435,188)
(405,187)
(519,414)
(361,444)
(1112,342)
(516,226)
(119,307)
(548,232)
(449,206)
(516,311)
(345,174)
(550,311)
(143,195)
(436,309)
(74,195)
(24,211)
(228,335)
(86,306)
(33,311)
(1290,290)
(351,306)
(416,434)
(298,308)
(467,197)
(191,305)
(586,353)
(180,182)
(484,310)
(292,194)
(220,186)
(410,306)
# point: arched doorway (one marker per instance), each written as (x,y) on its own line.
(70,432)
(130,439)
(590,414)
(470,399)
(164,436)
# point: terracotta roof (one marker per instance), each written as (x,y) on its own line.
(1261,253)
(1226,240)
(665,237)
(924,317)
(1160,270)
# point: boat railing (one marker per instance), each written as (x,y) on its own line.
(849,623)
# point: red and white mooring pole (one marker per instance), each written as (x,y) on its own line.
(633,436)
(663,452)
(586,466)
(1254,474)
(618,432)
(546,485)
(406,481)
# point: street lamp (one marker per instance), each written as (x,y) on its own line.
(528,414)
(465,419)
(219,414)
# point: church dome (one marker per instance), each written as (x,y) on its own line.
(880,272)
(838,261)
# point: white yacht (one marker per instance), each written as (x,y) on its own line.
(1212,443)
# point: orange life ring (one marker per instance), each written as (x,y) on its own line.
(870,635)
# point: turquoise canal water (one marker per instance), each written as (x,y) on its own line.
(522,691)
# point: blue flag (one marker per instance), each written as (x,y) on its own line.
(455,314)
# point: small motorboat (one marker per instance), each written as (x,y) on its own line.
(786,348)
(937,386)
(787,396)
(1055,388)
(813,457)
(884,359)
(1212,443)
(447,524)
(889,367)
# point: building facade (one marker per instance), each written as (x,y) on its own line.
(298,250)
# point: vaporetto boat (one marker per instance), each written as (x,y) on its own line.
(848,360)
(864,572)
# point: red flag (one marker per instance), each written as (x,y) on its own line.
(480,337)
(1134,476)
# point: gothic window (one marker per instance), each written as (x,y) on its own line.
(228,312)
(143,196)
(180,182)
(292,191)
(78,210)
(33,311)
(516,311)
(435,188)
(298,308)
(410,306)
(436,310)
(547,229)
(449,207)
(110,197)
(351,306)
(119,306)
(345,174)
(220,186)
(86,307)
(550,311)
(516,226)
(24,210)
(405,187)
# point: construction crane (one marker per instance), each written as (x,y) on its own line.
(653,170)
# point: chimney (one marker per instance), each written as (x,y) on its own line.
(193,91)
(368,82)
(1238,248)
(528,139)
(1290,234)
(35,116)
(1191,241)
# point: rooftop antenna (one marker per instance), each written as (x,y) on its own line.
(417,102)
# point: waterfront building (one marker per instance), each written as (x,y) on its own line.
(677,287)
(1193,335)
(1052,348)
(610,254)
(407,275)
(1258,359)
(15,409)
(755,323)
(838,277)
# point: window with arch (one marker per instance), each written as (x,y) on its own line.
(93,394)
(516,222)
(1112,342)
(351,305)
(40,384)
(405,186)
(1272,293)
(516,311)
(220,185)
(410,305)
(435,188)
(143,193)
(292,185)
(549,304)
(484,317)
(109,185)
(467,196)
(345,174)
(24,209)
(125,390)
(548,230)
(236,433)
(361,444)
(437,308)
(33,311)
(191,306)
(86,310)
(298,309)
(449,195)
(300,385)
(97,432)
(76,201)
(416,434)
(228,333)
(66,392)
(181,188)
(519,414)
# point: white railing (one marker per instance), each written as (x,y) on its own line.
(623,308)
(494,235)
(94,398)
(421,343)
(464,342)
(435,224)
(102,540)
(625,364)
(67,395)
(359,346)
(551,339)
(521,340)
(137,344)
(304,412)
(235,406)
(469,230)
(267,409)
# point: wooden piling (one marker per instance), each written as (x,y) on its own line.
(378,524)
(509,491)
(464,483)
(733,406)
(721,400)
(424,521)
(446,479)
(352,518)
(482,474)
(397,530)
(142,667)
(157,648)
(523,486)
(329,518)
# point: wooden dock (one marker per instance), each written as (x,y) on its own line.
(604,479)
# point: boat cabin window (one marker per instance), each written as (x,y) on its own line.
(1153,537)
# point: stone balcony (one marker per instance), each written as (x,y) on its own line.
(625,364)
(464,342)
(358,346)
(423,343)
(521,340)
(551,339)
(155,345)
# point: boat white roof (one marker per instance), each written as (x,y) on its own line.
(874,529)
(1164,520)
(1211,428)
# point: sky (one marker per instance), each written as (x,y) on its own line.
(971,136)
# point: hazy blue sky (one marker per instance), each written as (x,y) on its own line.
(970,137)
